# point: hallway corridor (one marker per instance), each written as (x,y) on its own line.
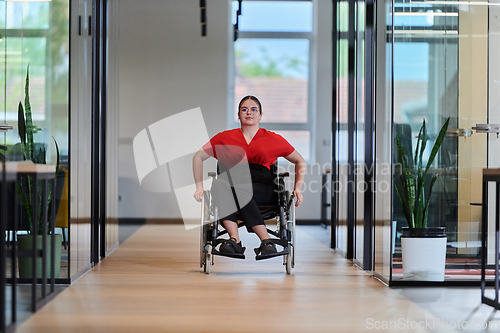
(153,283)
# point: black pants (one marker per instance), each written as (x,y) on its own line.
(249,198)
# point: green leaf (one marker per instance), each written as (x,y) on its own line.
(437,144)
(410,188)
(408,184)
(417,147)
(55,179)
(402,157)
(29,120)
(426,208)
(423,133)
(21,123)
(400,148)
(404,202)
(419,208)
(57,157)
(403,192)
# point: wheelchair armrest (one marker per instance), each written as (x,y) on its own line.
(284,174)
(212,174)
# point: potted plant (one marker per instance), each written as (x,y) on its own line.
(25,188)
(423,248)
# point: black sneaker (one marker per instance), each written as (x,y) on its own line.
(230,246)
(267,247)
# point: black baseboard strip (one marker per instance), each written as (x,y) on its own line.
(63,281)
(311,222)
(131,221)
(447,283)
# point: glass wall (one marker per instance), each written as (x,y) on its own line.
(34,39)
(81,134)
(426,87)
(363,161)
(34,44)
(339,187)
(444,67)
(434,60)
(350,187)
(80,189)
(383,143)
(36,35)
(359,136)
(112,135)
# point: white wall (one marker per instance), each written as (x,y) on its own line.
(167,67)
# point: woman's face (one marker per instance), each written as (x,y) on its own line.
(249,113)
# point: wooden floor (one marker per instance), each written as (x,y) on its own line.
(153,283)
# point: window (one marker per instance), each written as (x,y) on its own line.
(272,62)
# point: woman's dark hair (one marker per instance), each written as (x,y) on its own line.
(253,98)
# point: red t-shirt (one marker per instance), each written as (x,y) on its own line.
(230,147)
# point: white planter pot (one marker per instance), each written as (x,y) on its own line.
(423,258)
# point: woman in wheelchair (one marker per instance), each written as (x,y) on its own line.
(234,149)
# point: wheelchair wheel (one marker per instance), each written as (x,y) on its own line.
(290,225)
(289,259)
(204,229)
(206,267)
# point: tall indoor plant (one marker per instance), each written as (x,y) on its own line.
(423,248)
(25,190)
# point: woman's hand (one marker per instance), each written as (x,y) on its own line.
(198,194)
(298,196)
(300,171)
(198,159)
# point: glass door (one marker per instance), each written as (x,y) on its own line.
(444,67)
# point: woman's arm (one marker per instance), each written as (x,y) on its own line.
(198,159)
(300,171)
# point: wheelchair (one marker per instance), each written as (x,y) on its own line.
(283,211)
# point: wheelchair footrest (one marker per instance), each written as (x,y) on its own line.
(227,254)
(280,242)
(271,255)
